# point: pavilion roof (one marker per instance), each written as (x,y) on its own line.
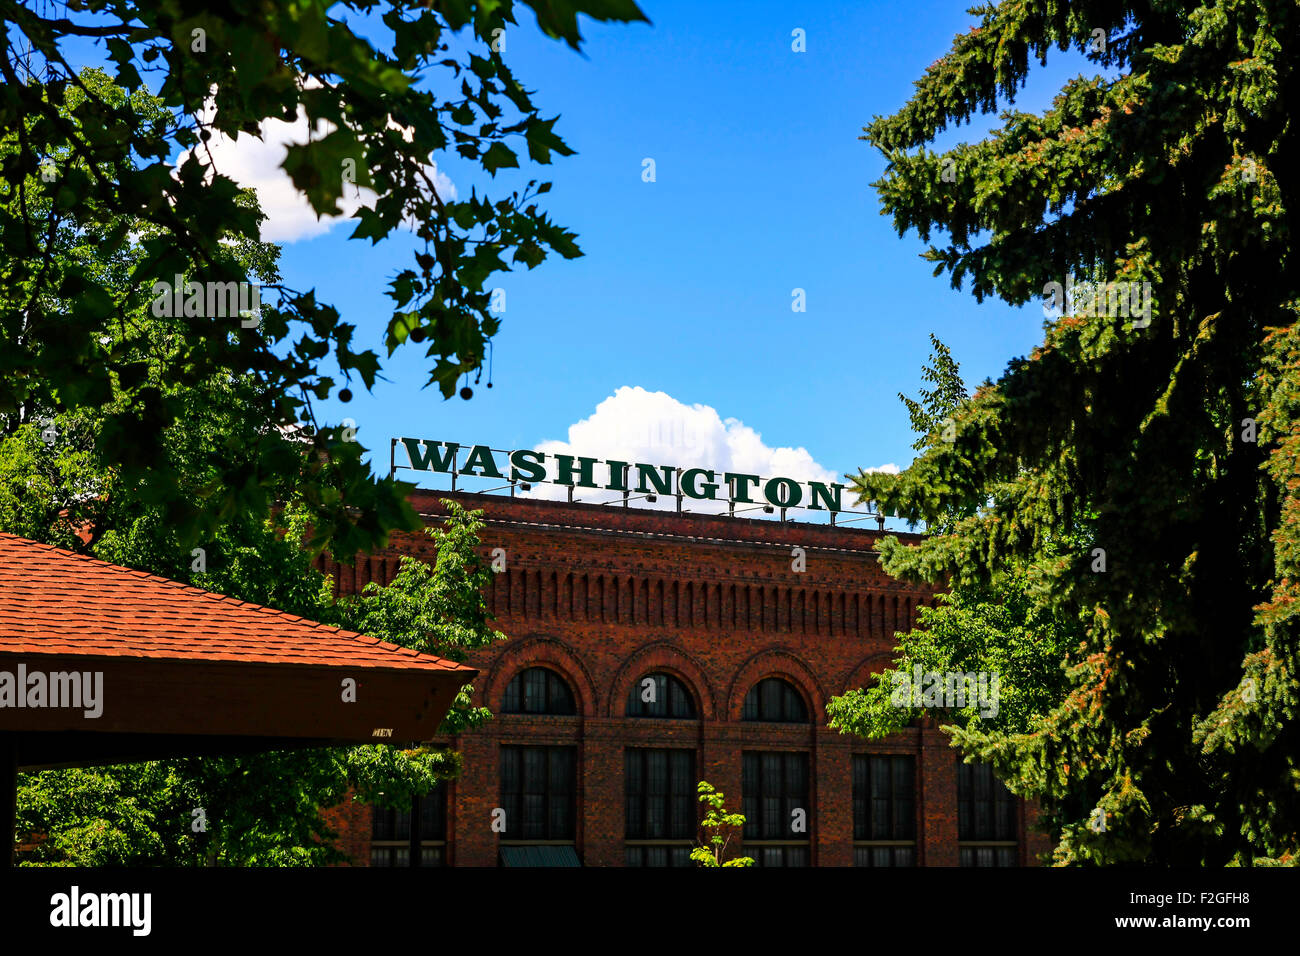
(56,602)
(185,670)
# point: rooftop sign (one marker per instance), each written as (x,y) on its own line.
(526,467)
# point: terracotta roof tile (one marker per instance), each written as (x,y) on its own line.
(55,602)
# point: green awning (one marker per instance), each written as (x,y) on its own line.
(539,856)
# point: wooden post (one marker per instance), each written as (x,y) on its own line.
(8,794)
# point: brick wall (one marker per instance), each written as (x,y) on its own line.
(605,595)
(351,820)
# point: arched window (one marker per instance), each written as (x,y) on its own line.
(775,700)
(537,690)
(660,695)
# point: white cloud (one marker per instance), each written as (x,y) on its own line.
(637,425)
(254,161)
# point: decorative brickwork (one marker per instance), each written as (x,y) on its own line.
(605,595)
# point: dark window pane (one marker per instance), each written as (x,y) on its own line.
(432,810)
(660,794)
(771,799)
(682,795)
(390,856)
(1000,856)
(383,824)
(750,791)
(402,824)
(670,698)
(534,770)
(792,708)
(534,822)
(778,856)
(559,818)
(512,702)
(634,791)
(537,690)
(797,856)
(656,793)
(774,785)
(563,761)
(537,792)
(682,704)
(986,810)
(658,856)
(884,856)
(883,802)
(774,699)
(904,777)
(560,697)
(861,797)
(796,777)
(983,801)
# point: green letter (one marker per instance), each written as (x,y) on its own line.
(527,465)
(742,486)
(820,490)
(566,470)
(617,476)
(663,483)
(430,457)
(690,480)
(480,463)
(794,493)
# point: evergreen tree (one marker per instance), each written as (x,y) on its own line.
(995,628)
(1140,464)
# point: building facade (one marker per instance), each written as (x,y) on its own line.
(649,650)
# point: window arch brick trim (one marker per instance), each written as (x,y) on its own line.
(662,657)
(542,652)
(870,666)
(777,662)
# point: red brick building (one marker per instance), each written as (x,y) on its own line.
(648,650)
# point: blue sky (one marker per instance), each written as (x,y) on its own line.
(762,186)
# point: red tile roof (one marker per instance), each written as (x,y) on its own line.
(55,602)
